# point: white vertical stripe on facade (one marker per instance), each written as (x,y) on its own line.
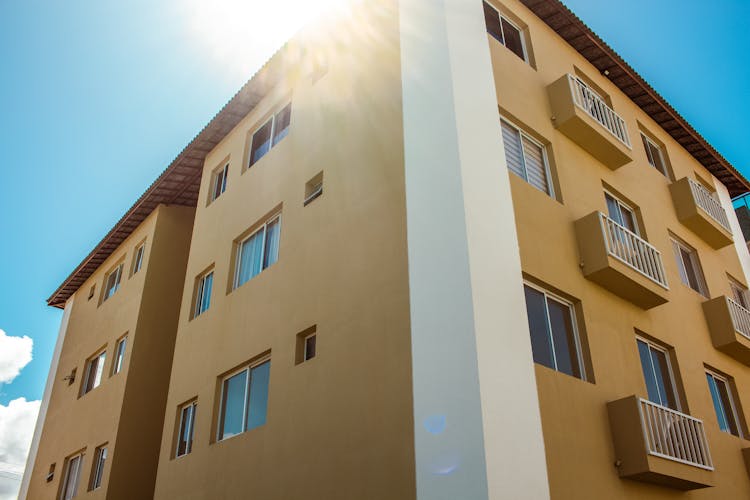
(45,400)
(477,424)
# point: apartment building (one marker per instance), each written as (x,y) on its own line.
(442,251)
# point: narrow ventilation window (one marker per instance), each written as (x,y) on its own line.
(313,189)
(91,292)
(306,345)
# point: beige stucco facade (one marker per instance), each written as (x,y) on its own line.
(360,266)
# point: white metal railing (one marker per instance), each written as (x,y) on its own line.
(708,203)
(673,435)
(632,250)
(596,108)
(740,317)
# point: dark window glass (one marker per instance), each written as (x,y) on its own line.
(492,20)
(541,346)
(310,347)
(281,123)
(261,142)
(512,37)
(657,376)
(187,423)
(563,338)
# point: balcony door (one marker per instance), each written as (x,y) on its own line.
(657,373)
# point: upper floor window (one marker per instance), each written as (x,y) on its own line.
(621,213)
(185,432)
(689,266)
(657,373)
(526,157)
(723,399)
(554,335)
(270,134)
(739,293)
(244,400)
(654,155)
(112,282)
(119,355)
(203,293)
(71,477)
(93,374)
(258,251)
(97,474)
(138,258)
(219,182)
(504,31)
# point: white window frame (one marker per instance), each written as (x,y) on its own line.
(547,172)
(574,321)
(735,286)
(219,175)
(502,17)
(117,272)
(672,379)
(271,119)
(200,290)
(119,358)
(304,347)
(662,156)
(682,269)
(732,403)
(140,252)
(193,407)
(238,254)
(620,206)
(67,478)
(100,459)
(245,406)
(100,356)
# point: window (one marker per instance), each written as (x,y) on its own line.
(726,411)
(310,342)
(621,213)
(526,157)
(71,477)
(119,355)
(185,433)
(270,134)
(100,457)
(112,282)
(689,267)
(657,372)
(138,258)
(654,155)
(258,251)
(244,400)
(91,292)
(203,293)
(219,182)
(554,337)
(739,293)
(313,189)
(94,370)
(504,31)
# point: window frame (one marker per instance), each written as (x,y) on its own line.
(275,217)
(620,206)
(521,33)
(743,297)
(138,255)
(670,370)
(192,406)
(117,272)
(246,399)
(200,289)
(66,475)
(101,354)
(305,352)
(717,377)
(272,137)
(695,263)
(220,174)
(97,471)
(576,330)
(649,156)
(545,157)
(119,359)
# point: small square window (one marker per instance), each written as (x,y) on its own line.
(204,284)
(92,290)
(93,374)
(97,473)
(313,189)
(112,282)
(138,258)
(219,181)
(186,428)
(306,345)
(310,342)
(51,473)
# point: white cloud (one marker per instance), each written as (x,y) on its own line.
(15,353)
(17,422)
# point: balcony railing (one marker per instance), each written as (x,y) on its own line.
(709,204)
(740,318)
(632,250)
(675,436)
(597,109)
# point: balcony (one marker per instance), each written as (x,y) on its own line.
(585,118)
(729,324)
(656,444)
(621,261)
(701,212)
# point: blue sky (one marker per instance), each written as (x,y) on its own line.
(96,98)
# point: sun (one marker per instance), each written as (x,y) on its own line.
(241,35)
